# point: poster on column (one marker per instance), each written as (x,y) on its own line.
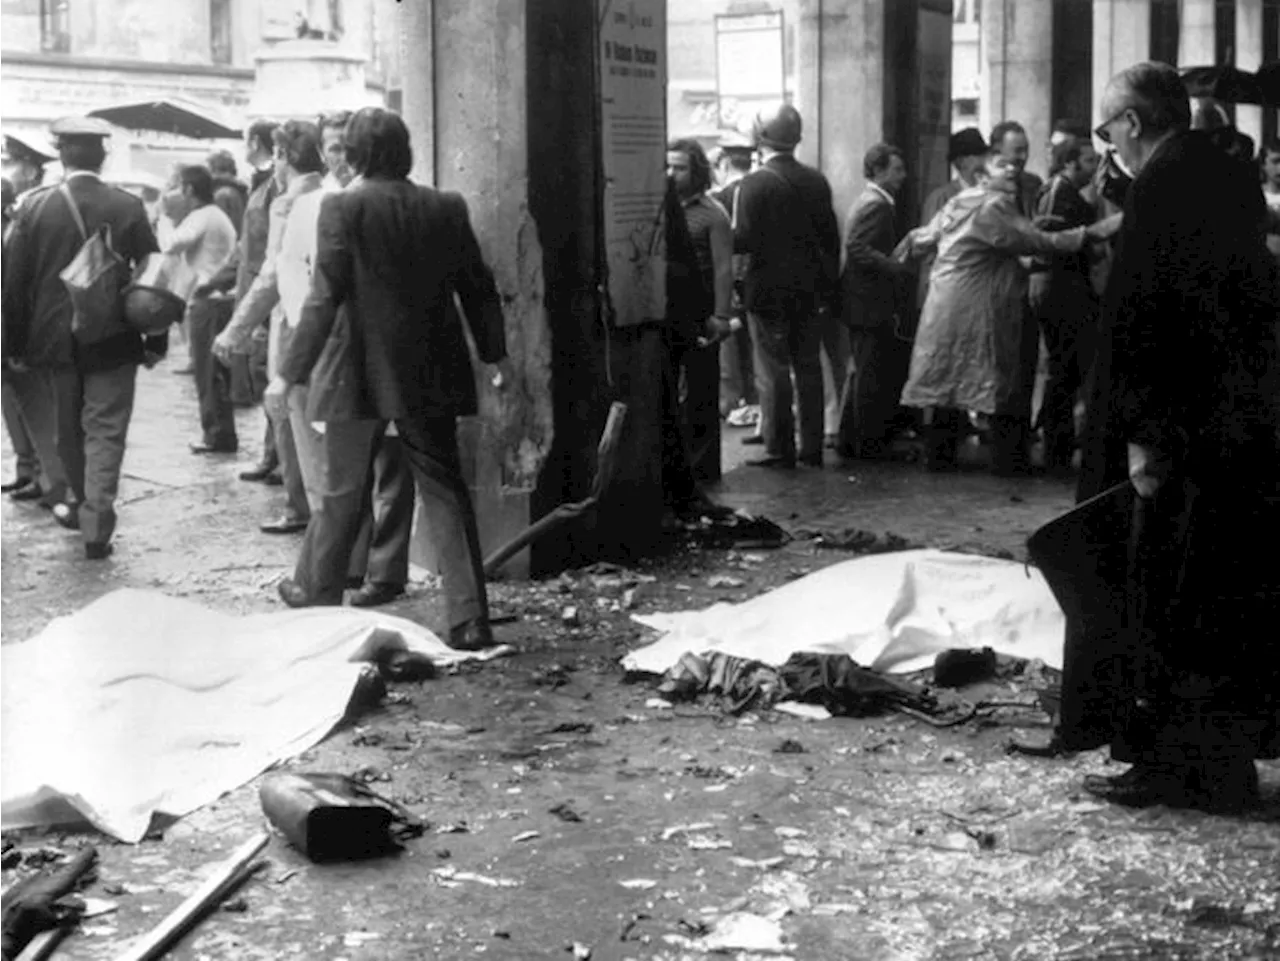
(633,54)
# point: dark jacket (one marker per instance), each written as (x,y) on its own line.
(44,241)
(394,254)
(1068,274)
(787,226)
(232,196)
(1187,342)
(870,281)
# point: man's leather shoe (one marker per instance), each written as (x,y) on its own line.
(15,484)
(1143,785)
(98,550)
(781,463)
(1050,748)
(67,515)
(30,491)
(752,440)
(257,474)
(201,447)
(811,460)
(375,594)
(292,594)
(472,636)
(274,479)
(285,525)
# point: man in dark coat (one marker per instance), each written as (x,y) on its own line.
(93,383)
(873,285)
(785,222)
(1179,670)
(394,254)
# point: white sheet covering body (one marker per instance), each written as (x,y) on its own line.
(142,703)
(890,612)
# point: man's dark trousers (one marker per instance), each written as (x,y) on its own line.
(1067,321)
(782,344)
(381,554)
(430,446)
(881,362)
(206,317)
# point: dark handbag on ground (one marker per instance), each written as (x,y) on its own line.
(95,280)
(333,817)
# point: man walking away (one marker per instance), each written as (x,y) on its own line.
(396,278)
(1062,298)
(205,239)
(784,222)
(94,383)
(873,283)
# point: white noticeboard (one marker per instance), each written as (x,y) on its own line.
(633,114)
(750,60)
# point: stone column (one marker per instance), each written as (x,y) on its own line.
(1017,51)
(859,84)
(1121,38)
(467,104)
(1249,23)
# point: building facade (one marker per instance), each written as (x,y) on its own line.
(64,57)
(1036,61)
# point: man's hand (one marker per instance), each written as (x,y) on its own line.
(277,393)
(1147,470)
(1038,290)
(1104,229)
(223,349)
(1045,221)
(501,375)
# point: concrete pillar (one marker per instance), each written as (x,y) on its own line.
(1017,52)
(467,105)
(859,85)
(1249,23)
(1196,46)
(1121,38)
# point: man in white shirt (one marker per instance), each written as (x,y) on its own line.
(205,240)
(299,168)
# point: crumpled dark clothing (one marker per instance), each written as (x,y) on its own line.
(846,688)
(834,681)
(40,902)
(742,682)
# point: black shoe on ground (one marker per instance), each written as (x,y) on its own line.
(200,447)
(474,635)
(258,473)
(292,594)
(752,440)
(375,594)
(98,550)
(30,491)
(16,484)
(810,460)
(283,525)
(1143,785)
(67,515)
(1051,748)
(778,463)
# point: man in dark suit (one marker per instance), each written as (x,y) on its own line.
(872,300)
(93,383)
(784,222)
(394,254)
(1182,675)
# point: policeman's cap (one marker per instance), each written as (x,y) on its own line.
(79,127)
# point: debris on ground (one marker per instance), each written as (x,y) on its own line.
(526,836)
(639,884)
(789,746)
(565,812)
(960,668)
(450,876)
(855,540)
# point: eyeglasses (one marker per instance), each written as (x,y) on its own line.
(1101,131)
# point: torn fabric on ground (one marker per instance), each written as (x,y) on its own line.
(891,612)
(142,704)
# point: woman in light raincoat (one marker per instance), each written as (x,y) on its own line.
(967,346)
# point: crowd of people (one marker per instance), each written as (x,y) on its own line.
(273,275)
(337,290)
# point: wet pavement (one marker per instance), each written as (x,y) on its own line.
(880,839)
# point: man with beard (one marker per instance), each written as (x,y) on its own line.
(1177,667)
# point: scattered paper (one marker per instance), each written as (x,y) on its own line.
(744,932)
(639,884)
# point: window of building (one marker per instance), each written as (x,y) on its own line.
(1165,30)
(1224,32)
(220,31)
(966,11)
(55,26)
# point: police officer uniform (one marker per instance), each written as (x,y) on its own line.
(93,384)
